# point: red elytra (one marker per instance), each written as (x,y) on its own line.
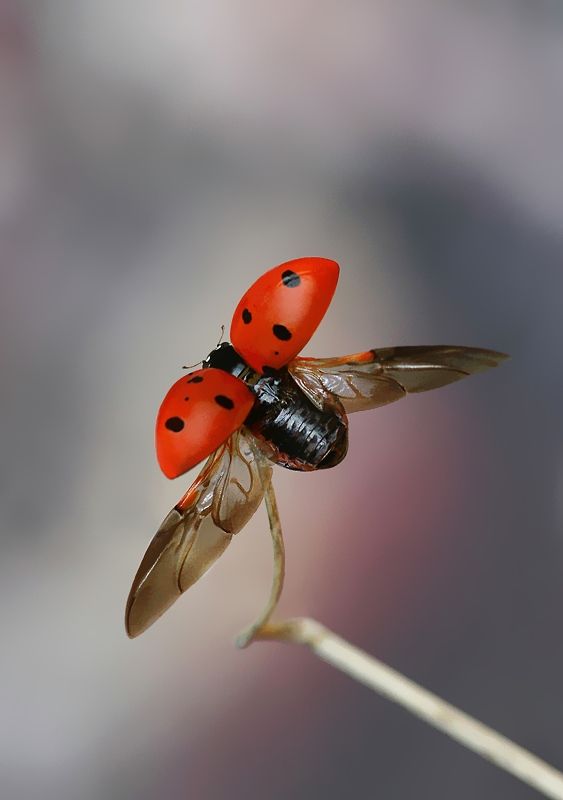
(198,414)
(280,312)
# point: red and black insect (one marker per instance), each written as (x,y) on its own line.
(255,402)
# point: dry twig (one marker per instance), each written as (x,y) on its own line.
(391,684)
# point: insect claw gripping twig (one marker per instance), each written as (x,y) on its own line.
(391,684)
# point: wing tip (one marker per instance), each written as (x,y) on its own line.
(134,627)
(131,629)
(130,633)
(488,359)
(488,352)
(476,358)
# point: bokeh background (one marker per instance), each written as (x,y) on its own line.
(155,158)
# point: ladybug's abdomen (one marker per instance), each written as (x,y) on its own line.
(293,431)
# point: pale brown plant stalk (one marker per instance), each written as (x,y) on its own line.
(391,684)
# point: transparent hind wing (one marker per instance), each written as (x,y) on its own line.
(376,377)
(241,492)
(197,531)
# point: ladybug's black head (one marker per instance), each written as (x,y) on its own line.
(225,357)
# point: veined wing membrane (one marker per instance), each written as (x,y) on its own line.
(197,531)
(376,377)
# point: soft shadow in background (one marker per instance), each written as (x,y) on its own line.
(154,160)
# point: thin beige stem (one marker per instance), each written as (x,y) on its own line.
(391,684)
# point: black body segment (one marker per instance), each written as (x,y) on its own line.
(293,432)
(225,357)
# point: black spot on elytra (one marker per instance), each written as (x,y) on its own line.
(174,424)
(281,332)
(276,352)
(186,398)
(195,379)
(224,402)
(246,316)
(290,278)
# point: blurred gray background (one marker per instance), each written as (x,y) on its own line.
(155,158)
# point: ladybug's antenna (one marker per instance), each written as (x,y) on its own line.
(193,365)
(217,345)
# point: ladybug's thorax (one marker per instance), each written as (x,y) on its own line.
(225,357)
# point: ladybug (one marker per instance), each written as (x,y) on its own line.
(255,403)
